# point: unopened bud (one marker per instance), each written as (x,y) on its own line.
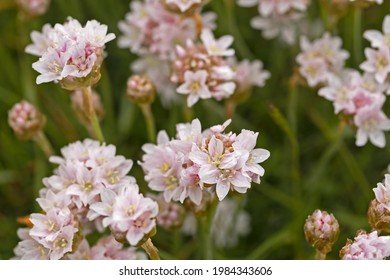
(321,230)
(378,216)
(25,120)
(140,89)
(33,7)
(79,108)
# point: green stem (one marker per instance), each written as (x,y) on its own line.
(187,111)
(151,250)
(44,144)
(149,120)
(206,233)
(90,111)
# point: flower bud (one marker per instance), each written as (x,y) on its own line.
(140,89)
(33,7)
(25,120)
(378,216)
(321,230)
(79,108)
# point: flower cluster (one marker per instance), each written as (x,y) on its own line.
(195,162)
(277,17)
(69,53)
(33,7)
(358,97)
(321,58)
(379,209)
(152,30)
(321,230)
(366,246)
(88,191)
(175,60)
(25,120)
(201,70)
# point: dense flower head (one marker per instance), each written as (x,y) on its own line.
(33,7)
(248,74)
(90,190)
(277,18)
(194,161)
(140,89)
(25,120)
(366,246)
(321,58)
(69,53)
(201,71)
(321,230)
(152,30)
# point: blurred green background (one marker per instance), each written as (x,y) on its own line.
(313,163)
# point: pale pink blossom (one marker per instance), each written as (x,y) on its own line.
(28,248)
(377,63)
(366,246)
(382,192)
(377,38)
(371,122)
(218,47)
(195,86)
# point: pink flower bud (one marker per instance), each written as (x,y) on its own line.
(140,89)
(25,120)
(321,230)
(33,7)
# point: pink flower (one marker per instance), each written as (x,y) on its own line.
(28,248)
(366,246)
(195,86)
(371,123)
(382,192)
(377,38)
(62,244)
(249,74)
(133,215)
(218,47)
(378,63)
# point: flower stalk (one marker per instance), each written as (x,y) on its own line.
(90,112)
(151,250)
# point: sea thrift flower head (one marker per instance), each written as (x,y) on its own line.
(201,75)
(25,120)
(320,58)
(366,246)
(321,230)
(248,75)
(378,216)
(33,7)
(78,107)
(197,161)
(70,53)
(140,89)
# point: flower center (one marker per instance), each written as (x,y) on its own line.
(60,244)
